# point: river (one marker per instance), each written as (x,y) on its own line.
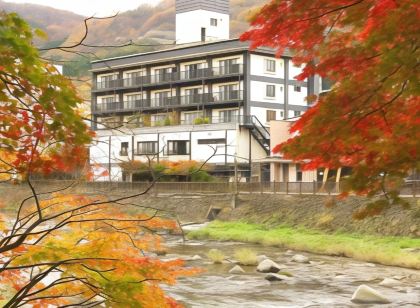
(324,282)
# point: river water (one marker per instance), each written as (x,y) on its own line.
(324,282)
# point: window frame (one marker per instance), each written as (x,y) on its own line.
(170,149)
(212,141)
(267,91)
(270,118)
(154,151)
(269,66)
(213,22)
(124,149)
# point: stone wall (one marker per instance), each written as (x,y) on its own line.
(319,212)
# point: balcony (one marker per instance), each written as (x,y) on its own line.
(170,102)
(142,81)
(227,119)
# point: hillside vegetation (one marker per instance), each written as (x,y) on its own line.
(146,25)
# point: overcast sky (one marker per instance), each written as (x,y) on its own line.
(91,7)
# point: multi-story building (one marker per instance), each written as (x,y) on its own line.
(212,98)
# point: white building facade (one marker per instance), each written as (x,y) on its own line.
(210,100)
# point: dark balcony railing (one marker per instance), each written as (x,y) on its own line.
(226,119)
(234,69)
(168,102)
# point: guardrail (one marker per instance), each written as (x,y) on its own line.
(302,188)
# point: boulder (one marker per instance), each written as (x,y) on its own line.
(261,258)
(389,282)
(268,266)
(191,258)
(275,277)
(300,259)
(236,270)
(367,295)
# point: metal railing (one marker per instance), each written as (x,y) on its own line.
(294,188)
(139,81)
(227,119)
(168,102)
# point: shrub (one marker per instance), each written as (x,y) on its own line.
(216,256)
(246,256)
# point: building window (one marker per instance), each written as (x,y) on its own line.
(107,81)
(190,117)
(133,78)
(213,22)
(178,147)
(299,174)
(159,119)
(227,93)
(271,115)
(108,100)
(203,34)
(212,141)
(270,65)
(281,114)
(161,99)
(326,84)
(297,88)
(124,149)
(163,74)
(146,147)
(297,113)
(270,90)
(229,66)
(228,116)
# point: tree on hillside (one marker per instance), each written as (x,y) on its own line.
(369,121)
(64,249)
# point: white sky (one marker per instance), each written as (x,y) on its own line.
(91,7)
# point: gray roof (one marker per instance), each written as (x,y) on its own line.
(218,6)
(184,51)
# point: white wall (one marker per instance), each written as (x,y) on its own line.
(189,24)
(237,145)
(298,98)
(258,67)
(261,114)
(242,147)
(258,92)
(294,71)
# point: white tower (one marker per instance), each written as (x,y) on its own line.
(202,20)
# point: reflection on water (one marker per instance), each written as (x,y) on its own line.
(326,282)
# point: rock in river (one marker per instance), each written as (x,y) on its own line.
(300,259)
(236,270)
(268,266)
(276,277)
(367,295)
(389,282)
(261,258)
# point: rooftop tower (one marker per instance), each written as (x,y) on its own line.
(202,20)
